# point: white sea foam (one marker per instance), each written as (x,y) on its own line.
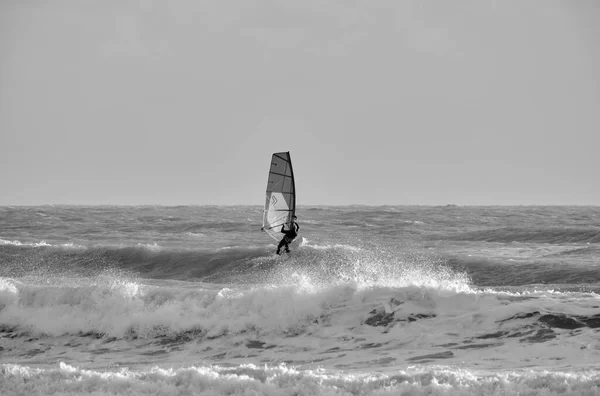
(306,325)
(195,234)
(283,380)
(117,307)
(68,245)
(335,246)
(152,246)
(8,292)
(72,245)
(19,243)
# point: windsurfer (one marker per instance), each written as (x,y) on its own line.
(290,235)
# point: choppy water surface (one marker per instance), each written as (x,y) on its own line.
(372,300)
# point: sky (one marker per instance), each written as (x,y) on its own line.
(412,102)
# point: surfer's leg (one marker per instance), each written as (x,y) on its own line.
(281,244)
(287,244)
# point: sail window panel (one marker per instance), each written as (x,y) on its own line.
(278,201)
(268,202)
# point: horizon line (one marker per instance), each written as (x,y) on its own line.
(299,205)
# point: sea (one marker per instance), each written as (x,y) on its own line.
(372,300)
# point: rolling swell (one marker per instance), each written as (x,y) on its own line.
(250,264)
(539,235)
(489,272)
(147,262)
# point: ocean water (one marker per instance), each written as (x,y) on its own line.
(391,300)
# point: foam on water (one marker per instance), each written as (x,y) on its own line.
(348,325)
(33,244)
(8,292)
(283,380)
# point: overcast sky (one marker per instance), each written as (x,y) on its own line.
(379,102)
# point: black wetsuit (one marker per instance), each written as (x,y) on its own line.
(289,236)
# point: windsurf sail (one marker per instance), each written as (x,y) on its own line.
(280,202)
